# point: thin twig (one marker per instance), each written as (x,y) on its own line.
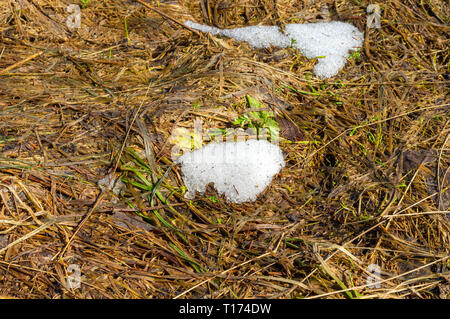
(15,65)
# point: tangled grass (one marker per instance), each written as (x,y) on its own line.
(366,183)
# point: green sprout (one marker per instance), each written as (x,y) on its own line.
(293,42)
(258,119)
(213,199)
(355,55)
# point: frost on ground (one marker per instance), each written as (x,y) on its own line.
(239,170)
(330,42)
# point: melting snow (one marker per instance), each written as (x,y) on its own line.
(330,42)
(239,170)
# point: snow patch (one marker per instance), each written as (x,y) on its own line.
(330,42)
(239,170)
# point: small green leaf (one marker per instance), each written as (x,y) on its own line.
(242,120)
(258,119)
(213,199)
(253,103)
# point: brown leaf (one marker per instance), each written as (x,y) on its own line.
(413,158)
(289,130)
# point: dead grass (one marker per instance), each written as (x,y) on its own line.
(366,180)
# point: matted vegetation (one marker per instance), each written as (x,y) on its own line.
(367,166)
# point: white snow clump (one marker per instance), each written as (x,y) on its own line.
(330,42)
(239,170)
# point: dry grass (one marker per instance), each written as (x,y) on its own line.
(366,180)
